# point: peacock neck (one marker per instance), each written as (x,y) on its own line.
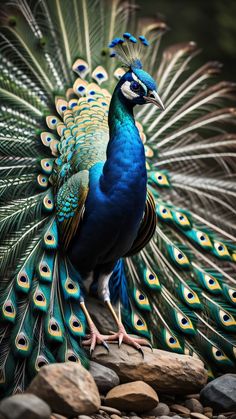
(125,162)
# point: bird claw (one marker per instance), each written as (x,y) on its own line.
(122,337)
(95,338)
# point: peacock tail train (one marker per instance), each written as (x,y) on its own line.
(56,81)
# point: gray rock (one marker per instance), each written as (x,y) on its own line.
(104,377)
(161,410)
(220,393)
(84,417)
(22,406)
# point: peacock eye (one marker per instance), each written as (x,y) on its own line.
(134,86)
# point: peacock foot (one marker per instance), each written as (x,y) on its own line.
(123,337)
(95,338)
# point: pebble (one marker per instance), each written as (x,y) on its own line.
(221,417)
(114,416)
(194,405)
(84,417)
(68,388)
(109,409)
(22,406)
(208,413)
(56,416)
(178,408)
(136,394)
(162,409)
(198,415)
(193,396)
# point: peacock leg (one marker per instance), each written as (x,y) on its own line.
(95,337)
(121,335)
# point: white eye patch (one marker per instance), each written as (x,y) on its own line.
(127,92)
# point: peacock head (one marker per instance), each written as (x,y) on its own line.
(139,88)
(136,86)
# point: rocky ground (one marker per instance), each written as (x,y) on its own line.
(125,385)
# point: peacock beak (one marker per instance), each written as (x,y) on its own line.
(153,97)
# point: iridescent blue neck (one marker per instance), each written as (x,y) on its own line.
(125,152)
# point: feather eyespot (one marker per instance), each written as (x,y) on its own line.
(171,341)
(227,319)
(52,122)
(221,250)
(61,106)
(218,354)
(99,74)
(151,279)
(42,181)
(81,67)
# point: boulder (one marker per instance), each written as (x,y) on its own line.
(220,393)
(166,372)
(22,406)
(137,396)
(68,388)
(104,377)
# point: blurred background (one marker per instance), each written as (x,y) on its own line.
(210,23)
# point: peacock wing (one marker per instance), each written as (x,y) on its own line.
(70,204)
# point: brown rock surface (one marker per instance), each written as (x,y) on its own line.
(68,388)
(166,372)
(137,396)
(178,408)
(198,415)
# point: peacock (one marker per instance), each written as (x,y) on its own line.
(134,204)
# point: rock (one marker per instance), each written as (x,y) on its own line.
(164,417)
(56,416)
(22,406)
(104,377)
(208,411)
(197,415)
(136,395)
(177,408)
(161,410)
(110,410)
(221,417)
(84,417)
(220,393)
(101,315)
(113,416)
(68,388)
(194,405)
(166,372)
(193,396)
